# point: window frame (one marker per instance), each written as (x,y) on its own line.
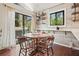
(23,19)
(56,17)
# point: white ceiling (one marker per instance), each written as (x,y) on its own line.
(40,6)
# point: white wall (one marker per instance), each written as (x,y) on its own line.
(69,23)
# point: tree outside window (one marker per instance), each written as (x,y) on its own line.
(57,18)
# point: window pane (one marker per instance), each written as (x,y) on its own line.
(57,18)
(18,20)
(27,23)
(29,18)
(60,18)
(52,19)
(18,24)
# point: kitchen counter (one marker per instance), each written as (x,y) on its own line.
(74,31)
(76,34)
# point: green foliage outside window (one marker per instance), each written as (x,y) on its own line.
(57,18)
(17,20)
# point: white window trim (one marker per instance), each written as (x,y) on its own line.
(57,25)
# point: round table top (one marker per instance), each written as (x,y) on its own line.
(38,35)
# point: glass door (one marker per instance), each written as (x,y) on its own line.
(22,24)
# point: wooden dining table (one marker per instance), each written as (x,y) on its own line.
(37,37)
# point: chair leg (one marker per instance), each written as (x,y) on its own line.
(47,52)
(26,53)
(52,50)
(19,52)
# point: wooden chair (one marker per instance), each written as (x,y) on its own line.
(46,44)
(50,41)
(26,46)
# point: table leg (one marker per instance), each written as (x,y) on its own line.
(37,41)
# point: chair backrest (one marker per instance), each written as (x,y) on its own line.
(44,32)
(50,41)
(51,38)
(22,41)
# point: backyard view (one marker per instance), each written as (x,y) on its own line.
(27,22)
(22,24)
(57,18)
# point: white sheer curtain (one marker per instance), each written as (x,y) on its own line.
(0,26)
(8,27)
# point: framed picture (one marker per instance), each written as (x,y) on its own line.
(57,18)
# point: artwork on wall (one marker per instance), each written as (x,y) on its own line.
(57,18)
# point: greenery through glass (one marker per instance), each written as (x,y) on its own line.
(22,24)
(57,18)
(27,22)
(18,20)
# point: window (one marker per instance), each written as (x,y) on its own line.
(22,24)
(18,24)
(57,18)
(27,22)
(18,20)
